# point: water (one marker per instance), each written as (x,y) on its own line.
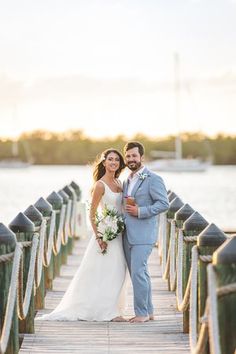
(212,193)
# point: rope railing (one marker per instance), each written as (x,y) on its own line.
(67,230)
(170,269)
(44,243)
(204,328)
(213,312)
(6,257)
(23,303)
(163,233)
(74,211)
(6,328)
(182,302)
(40,254)
(49,243)
(58,241)
(193,299)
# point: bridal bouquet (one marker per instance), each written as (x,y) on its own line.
(109,225)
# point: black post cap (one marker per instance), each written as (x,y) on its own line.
(226,253)
(34,215)
(44,207)
(172,196)
(74,185)
(22,224)
(77,189)
(7,237)
(55,200)
(184,212)
(64,196)
(195,222)
(175,204)
(69,191)
(211,236)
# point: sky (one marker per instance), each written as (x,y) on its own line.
(107,67)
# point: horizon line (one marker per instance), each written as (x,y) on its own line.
(113,137)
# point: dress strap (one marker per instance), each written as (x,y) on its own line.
(105,185)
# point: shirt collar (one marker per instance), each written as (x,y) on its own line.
(136,174)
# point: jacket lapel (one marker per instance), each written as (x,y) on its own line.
(125,190)
(136,186)
(138,183)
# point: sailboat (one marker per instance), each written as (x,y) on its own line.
(172,161)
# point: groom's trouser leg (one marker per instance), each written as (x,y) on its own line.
(150,305)
(141,279)
(127,251)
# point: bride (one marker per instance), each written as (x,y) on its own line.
(94,294)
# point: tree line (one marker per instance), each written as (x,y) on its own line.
(74,147)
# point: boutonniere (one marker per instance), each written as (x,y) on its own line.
(142,176)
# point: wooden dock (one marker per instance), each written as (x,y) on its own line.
(164,335)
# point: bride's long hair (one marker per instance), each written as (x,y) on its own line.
(99,169)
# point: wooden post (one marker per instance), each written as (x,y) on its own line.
(64,251)
(56,201)
(224,261)
(191,227)
(7,245)
(24,230)
(69,191)
(208,241)
(36,217)
(45,209)
(175,205)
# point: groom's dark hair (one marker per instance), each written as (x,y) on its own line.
(133,144)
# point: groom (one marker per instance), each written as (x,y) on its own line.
(150,199)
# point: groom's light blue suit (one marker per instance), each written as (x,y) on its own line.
(141,234)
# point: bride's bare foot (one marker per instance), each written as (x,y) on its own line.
(151,317)
(119,319)
(139,319)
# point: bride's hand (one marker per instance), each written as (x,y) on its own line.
(102,244)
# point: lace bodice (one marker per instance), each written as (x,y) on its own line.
(112,199)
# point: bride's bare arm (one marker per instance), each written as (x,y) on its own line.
(97,194)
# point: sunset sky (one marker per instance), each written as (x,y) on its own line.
(107,66)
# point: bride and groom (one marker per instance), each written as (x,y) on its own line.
(97,290)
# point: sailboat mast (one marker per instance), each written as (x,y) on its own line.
(178,144)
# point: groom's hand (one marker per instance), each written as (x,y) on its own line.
(132,209)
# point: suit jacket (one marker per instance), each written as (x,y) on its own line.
(151,196)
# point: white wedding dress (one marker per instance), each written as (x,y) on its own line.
(95,292)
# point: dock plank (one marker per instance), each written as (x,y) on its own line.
(164,335)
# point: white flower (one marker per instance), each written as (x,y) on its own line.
(110,224)
(101,227)
(142,176)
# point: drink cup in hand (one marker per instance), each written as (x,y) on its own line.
(130,201)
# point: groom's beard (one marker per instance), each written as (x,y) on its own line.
(133,165)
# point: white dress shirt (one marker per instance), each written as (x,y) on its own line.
(132,180)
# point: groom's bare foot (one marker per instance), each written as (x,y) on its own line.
(119,319)
(139,319)
(151,317)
